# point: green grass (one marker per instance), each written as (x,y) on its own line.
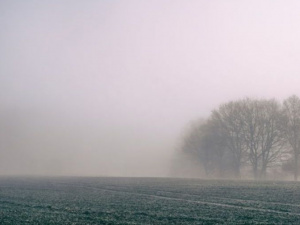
(147,201)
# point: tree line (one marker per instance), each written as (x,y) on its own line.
(251,135)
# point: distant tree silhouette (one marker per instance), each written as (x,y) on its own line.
(291,111)
(253,132)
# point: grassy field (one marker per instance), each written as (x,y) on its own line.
(147,201)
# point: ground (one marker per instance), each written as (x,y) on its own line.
(71,200)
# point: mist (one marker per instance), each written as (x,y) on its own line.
(106,88)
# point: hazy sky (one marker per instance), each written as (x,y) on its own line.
(106,87)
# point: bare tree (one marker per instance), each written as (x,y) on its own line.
(229,120)
(291,111)
(193,145)
(272,139)
(248,132)
(203,143)
(213,142)
(263,134)
(251,114)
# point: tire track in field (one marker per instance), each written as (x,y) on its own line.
(195,201)
(235,199)
(212,203)
(257,201)
(223,198)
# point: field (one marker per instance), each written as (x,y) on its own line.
(147,201)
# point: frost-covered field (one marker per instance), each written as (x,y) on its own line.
(147,201)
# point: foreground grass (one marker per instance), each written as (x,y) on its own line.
(147,201)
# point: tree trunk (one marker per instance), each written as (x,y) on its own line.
(263,174)
(255,174)
(237,171)
(296,167)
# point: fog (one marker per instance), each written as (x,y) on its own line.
(106,88)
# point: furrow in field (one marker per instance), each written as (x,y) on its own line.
(230,201)
(237,199)
(197,201)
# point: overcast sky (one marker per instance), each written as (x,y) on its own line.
(106,87)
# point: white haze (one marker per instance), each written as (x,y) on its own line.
(105,88)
